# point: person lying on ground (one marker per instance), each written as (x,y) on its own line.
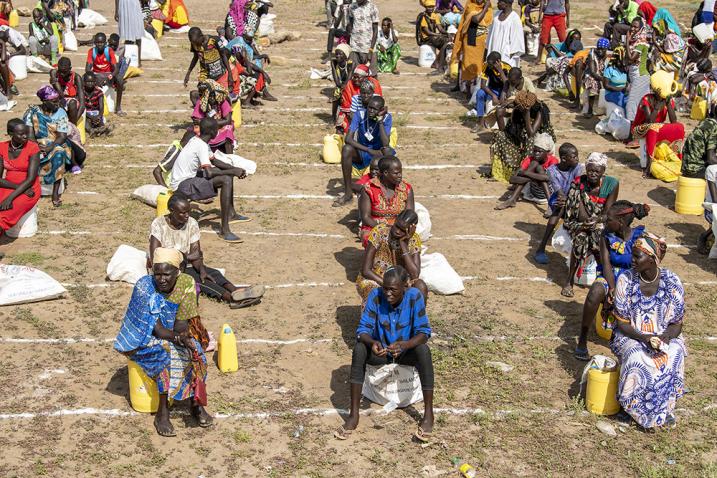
(42,37)
(101,61)
(388,51)
(156,334)
(561,177)
(19,181)
(95,120)
(177,230)
(197,177)
(341,70)
(532,173)
(69,85)
(395,304)
(368,137)
(390,245)
(384,197)
(430,31)
(649,311)
(214,103)
(615,256)
(351,89)
(59,140)
(493,86)
(589,198)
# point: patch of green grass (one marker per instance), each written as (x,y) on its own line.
(29,258)
(241,436)
(304,84)
(401,119)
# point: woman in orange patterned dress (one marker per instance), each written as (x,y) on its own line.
(384,197)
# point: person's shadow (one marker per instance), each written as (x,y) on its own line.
(663,196)
(350,258)
(119,384)
(347,318)
(572,312)
(689,235)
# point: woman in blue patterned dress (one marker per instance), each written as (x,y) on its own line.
(615,256)
(157,335)
(649,308)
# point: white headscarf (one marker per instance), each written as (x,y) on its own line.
(598,159)
(545,142)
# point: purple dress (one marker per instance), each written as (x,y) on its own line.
(225,133)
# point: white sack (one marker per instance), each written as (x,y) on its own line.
(237,161)
(439,276)
(150,48)
(26,226)
(127,265)
(18,66)
(37,65)
(148,193)
(90,18)
(561,241)
(426,56)
(21,284)
(423,228)
(618,125)
(399,384)
(69,40)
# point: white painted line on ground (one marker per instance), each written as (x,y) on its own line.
(282,234)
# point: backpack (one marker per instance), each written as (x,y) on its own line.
(419,19)
(106,52)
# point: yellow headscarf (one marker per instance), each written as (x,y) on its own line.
(166,255)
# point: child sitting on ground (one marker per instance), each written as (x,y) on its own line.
(95,123)
(532,173)
(561,176)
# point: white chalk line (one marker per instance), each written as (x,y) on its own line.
(414,167)
(90,340)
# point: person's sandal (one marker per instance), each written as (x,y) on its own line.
(581,354)
(232,238)
(242,304)
(422,435)
(541,258)
(244,293)
(76,170)
(342,434)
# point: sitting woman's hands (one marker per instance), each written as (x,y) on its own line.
(378,349)
(397,348)
(186,340)
(6,205)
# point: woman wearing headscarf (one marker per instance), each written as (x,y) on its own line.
(514,140)
(637,52)
(557,65)
(341,68)
(155,334)
(470,40)
(589,197)
(236,18)
(214,103)
(592,79)
(58,138)
(648,342)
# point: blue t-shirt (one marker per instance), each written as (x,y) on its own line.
(389,324)
(367,130)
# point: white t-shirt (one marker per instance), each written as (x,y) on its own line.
(386,42)
(710,177)
(180,239)
(16,38)
(193,156)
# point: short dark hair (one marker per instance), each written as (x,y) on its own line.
(99,35)
(64,61)
(492,56)
(12,123)
(176,198)
(408,216)
(206,124)
(566,148)
(396,272)
(385,163)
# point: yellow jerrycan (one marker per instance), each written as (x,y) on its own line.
(602,331)
(690,195)
(13,19)
(236,114)
(143,392)
(601,392)
(162,203)
(227,358)
(331,154)
(81,128)
(663,83)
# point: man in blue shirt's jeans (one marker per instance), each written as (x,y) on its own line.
(394,328)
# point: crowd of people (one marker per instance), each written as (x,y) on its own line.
(642,302)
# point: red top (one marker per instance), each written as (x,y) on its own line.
(363,180)
(69,87)
(16,172)
(351,89)
(99,62)
(641,118)
(549,161)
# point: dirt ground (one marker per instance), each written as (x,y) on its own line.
(65,410)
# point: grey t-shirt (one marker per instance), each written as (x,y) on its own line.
(555,7)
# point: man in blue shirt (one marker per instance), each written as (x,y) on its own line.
(368,137)
(394,328)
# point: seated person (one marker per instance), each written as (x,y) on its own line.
(388,51)
(254,62)
(175,13)
(493,85)
(69,85)
(649,312)
(197,178)
(43,38)
(557,65)
(352,88)
(615,257)
(532,172)
(177,230)
(399,305)
(517,82)
(450,11)
(341,68)
(156,335)
(368,137)
(10,37)
(614,79)
(590,75)
(384,197)
(214,103)
(95,121)
(621,15)
(19,181)
(359,185)
(429,31)
(212,59)
(388,246)
(561,177)
(122,60)
(101,61)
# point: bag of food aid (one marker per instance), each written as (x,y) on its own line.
(150,48)
(532,44)
(439,276)
(562,242)
(131,52)
(587,271)
(266,25)
(237,161)
(148,193)
(110,98)
(127,265)
(666,165)
(618,125)
(426,56)
(397,384)
(90,18)
(69,40)
(22,284)
(18,66)
(423,228)
(38,65)
(26,226)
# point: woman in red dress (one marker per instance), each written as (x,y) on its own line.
(19,182)
(384,197)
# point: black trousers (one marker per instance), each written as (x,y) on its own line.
(216,289)
(419,357)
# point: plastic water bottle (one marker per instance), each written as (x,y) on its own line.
(467,470)
(227,358)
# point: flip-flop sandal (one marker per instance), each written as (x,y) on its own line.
(581,354)
(342,434)
(166,435)
(340,203)
(244,303)
(569,293)
(57,203)
(541,258)
(253,292)
(232,238)
(239,218)
(422,436)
